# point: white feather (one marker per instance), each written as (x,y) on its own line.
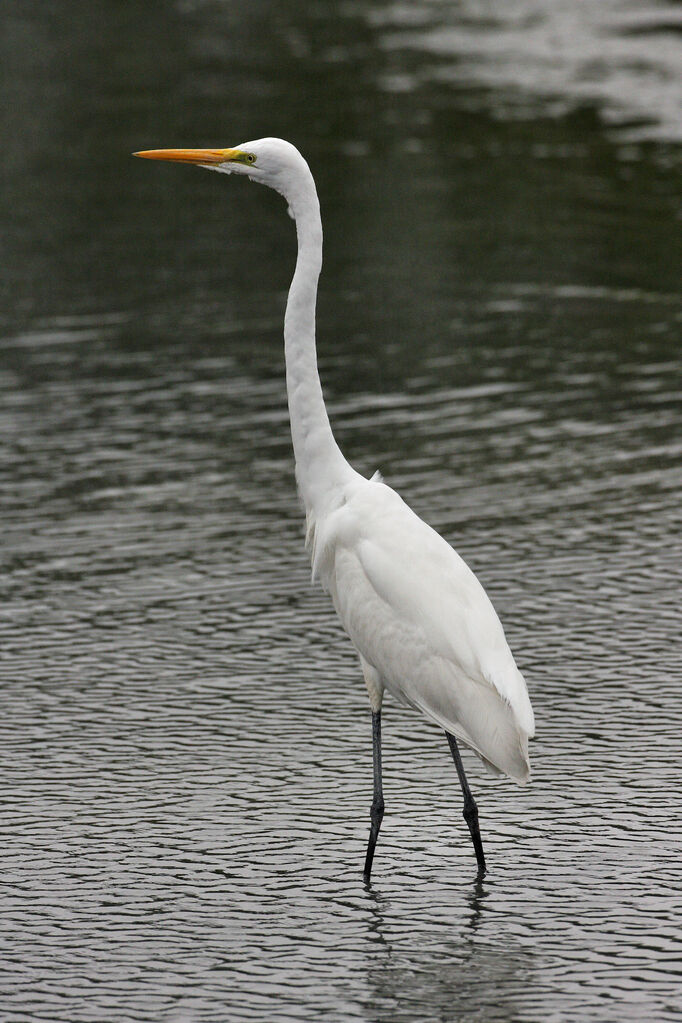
(420,618)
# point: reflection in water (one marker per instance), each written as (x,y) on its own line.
(376,904)
(476,902)
(483,984)
(445,973)
(186,744)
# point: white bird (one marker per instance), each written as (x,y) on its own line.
(418,617)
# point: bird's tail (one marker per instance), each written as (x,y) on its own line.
(478,716)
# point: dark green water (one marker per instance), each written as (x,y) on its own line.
(185,734)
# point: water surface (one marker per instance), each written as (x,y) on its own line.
(185,734)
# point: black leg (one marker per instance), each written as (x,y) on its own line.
(470,808)
(377,810)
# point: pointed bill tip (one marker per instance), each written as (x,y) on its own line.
(200,156)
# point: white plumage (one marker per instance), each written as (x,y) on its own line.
(422,623)
(418,617)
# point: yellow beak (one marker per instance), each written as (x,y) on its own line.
(203,156)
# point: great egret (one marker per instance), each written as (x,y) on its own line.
(418,617)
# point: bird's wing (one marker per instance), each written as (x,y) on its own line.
(420,617)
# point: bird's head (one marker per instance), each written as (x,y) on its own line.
(272,162)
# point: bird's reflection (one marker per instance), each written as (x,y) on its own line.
(375,917)
(426,966)
(476,898)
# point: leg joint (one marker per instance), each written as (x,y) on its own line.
(470,812)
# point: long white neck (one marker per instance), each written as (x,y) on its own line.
(320,467)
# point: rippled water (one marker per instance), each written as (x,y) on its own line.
(185,737)
(530,55)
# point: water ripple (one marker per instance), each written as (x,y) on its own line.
(185,736)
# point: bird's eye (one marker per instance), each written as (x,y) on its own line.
(250,158)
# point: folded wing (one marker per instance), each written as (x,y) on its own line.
(419,616)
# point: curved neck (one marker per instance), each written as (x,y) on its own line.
(320,466)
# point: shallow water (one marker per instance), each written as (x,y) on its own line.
(185,736)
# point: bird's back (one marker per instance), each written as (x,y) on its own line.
(420,618)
